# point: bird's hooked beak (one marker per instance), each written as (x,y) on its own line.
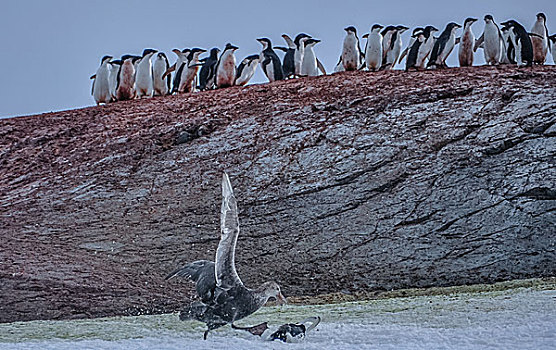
(281,299)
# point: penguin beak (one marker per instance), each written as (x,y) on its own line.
(473,20)
(281,299)
(235,48)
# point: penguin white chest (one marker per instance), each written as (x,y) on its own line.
(309,66)
(373,52)
(226,73)
(350,53)
(492,44)
(101,88)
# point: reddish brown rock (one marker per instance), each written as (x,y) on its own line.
(349,182)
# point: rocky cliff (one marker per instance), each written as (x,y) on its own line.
(349,182)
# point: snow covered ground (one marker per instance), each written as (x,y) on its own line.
(521,318)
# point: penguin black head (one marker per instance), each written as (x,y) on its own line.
(541,15)
(452,25)
(214,52)
(230,47)
(401,28)
(510,23)
(377,27)
(387,29)
(416,31)
(311,41)
(428,30)
(252,57)
(351,29)
(148,51)
(162,55)
(106,58)
(116,62)
(469,20)
(265,42)
(125,57)
(489,17)
(300,36)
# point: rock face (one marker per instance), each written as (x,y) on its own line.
(355,181)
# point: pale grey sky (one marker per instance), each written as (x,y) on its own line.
(51,47)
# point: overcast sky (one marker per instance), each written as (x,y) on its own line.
(50,48)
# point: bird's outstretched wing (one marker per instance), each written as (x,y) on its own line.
(226,274)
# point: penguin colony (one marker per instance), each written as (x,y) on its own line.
(150,74)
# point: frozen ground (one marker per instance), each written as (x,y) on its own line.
(521,318)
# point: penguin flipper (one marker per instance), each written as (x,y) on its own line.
(458,40)
(320,66)
(93,87)
(479,42)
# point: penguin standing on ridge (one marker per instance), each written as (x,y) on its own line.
(161,86)
(522,43)
(246,69)
(113,74)
(270,63)
(101,86)
(492,42)
(226,67)
(443,46)
(144,74)
(418,39)
(125,89)
(288,63)
(310,66)
(189,83)
(180,67)
(387,36)
(540,42)
(351,50)
(208,70)
(395,48)
(411,41)
(508,49)
(426,47)
(465,51)
(373,49)
(299,51)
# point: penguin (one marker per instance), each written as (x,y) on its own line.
(188,82)
(226,67)
(299,51)
(144,74)
(180,67)
(411,41)
(288,63)
(373,49)
(443,46)
(522,43)
(426,47)
(351,50)
(395,48)
(270,63)
(310,66)
(208,70)
(418,39)
(552,40)
(161,86)
(114,72)
(465,50)
(492,42)
(540,43)
(387,36)
(125,89)
(508,49)
(101,86)
(246,69)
